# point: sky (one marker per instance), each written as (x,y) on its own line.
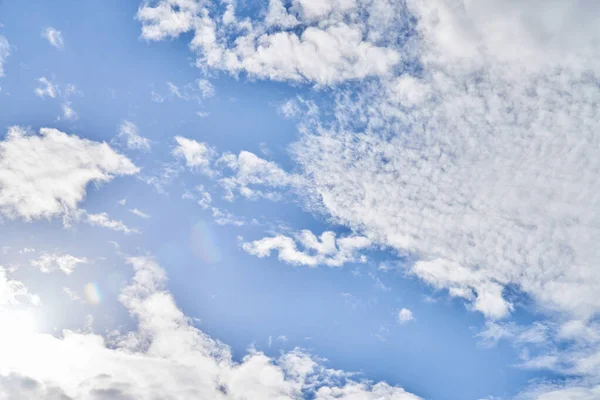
(300,199)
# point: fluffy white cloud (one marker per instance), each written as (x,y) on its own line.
(54,37)
(128,133)
(4,53)
(45,175)
(164,348)
(49,262)
(197,155)
(331,50)
(326,249)
(405,315)
(251,170)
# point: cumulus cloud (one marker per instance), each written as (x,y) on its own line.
(4,53)
(45,175)
(326,249)
(49,262)
(197,155)
(54,37)
(129,134)
(405,315)
(318,43)
(165,344)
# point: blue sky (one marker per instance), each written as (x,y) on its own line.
(370,199)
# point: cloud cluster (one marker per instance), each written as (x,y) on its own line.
(239,174)
(165,357)
(479,159)
(482,166)
(326,249)
(311,41)
(45,175)
(49,262)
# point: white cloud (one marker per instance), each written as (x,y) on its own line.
(139,213)
(197,155)
(364,391)
(190,364)
(48,88)
(482,166)
(4,53)
(251,170)
(104,221)
(128,133)
(45,175)
(471,186)
(206,88)
(14,292)
(54,91)
(49,262)
(331,51)
(326,249)
(405,315)
(68,112)
(205,199)
(54,37)
(224,217)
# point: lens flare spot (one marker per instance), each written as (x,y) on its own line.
(92,293)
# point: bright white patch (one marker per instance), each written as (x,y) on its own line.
(165,344)
(45,175)
(405,315)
